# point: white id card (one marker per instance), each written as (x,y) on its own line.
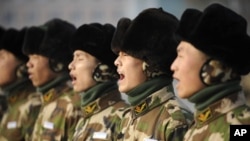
(100,135)
(149,139)
(48,125)
(11,125)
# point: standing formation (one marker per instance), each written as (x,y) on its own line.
(59,82)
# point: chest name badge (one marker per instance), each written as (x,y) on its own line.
(99,135)
(146,139)
(48,125)
(11,125)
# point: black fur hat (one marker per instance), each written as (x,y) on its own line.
(12,40)
(95,39)
(51,40)
(150,37)
(220,33)
(33,39)
(2,30)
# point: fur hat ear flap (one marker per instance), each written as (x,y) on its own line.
(118,37)
(22,71)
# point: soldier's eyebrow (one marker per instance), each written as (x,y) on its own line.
(78,53)
(179,49)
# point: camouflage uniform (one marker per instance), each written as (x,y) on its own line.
(100,117)
(246,87)
(23,106)
(157,117)
(3,104)
(59,113)
(213,118)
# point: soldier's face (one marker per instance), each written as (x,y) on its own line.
(130,71)
(81,70)
(186,67)
(39,70)
(8,65)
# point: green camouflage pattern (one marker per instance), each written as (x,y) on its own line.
(100,117)
(213,123)
(157,117)
(58,115)
(23,107)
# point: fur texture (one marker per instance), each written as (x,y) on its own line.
(220,33)
(12,40)
(150,37)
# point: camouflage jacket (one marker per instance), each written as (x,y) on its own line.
(3,105)
(99,117)
(23,106)
(58,115)
(212,123)
(156,118)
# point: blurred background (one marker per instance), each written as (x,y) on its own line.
(20,13)
(24,13)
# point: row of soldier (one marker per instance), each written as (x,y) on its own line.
(62,83)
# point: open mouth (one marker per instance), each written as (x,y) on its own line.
(73,79)
(121,77)
(30,75)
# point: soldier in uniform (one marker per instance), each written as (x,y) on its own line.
(146,48)
(47,67)
(94,76)
(212,55)
(245,83)
(3,104)
(3,101)
(23,101)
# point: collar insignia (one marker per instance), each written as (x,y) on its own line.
(48,96)
(89,109)
(12,99)
(140,108)
(205,115)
